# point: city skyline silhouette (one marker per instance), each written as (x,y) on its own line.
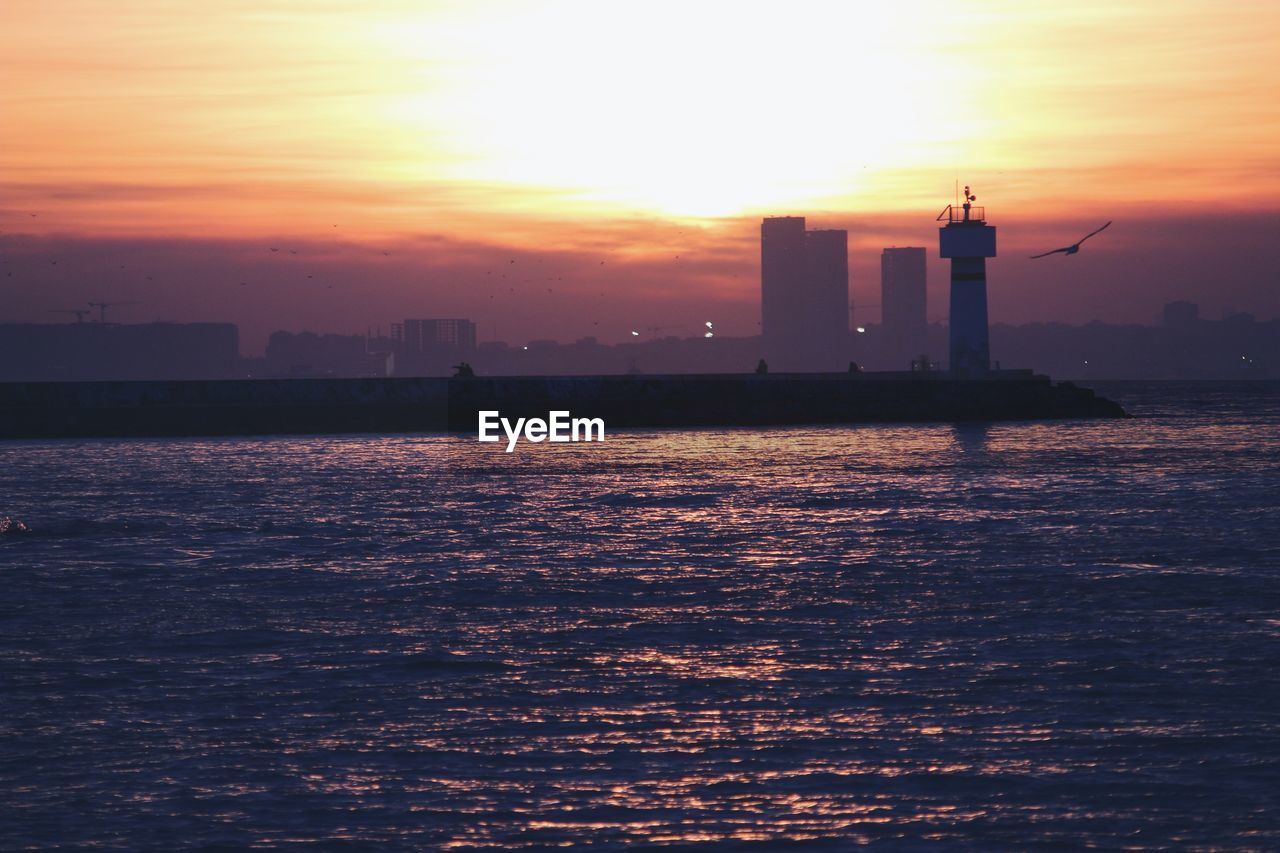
(327,168)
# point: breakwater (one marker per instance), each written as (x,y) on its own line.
(292,406)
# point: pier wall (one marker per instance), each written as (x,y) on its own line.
(295,406)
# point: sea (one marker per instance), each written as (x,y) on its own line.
(1011,636)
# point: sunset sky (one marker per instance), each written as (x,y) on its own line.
(560,169)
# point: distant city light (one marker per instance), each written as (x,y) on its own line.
(709,335)
(861,329)
(634,333)
(525,347)
(708,324)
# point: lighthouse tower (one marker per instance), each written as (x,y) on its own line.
(968,241)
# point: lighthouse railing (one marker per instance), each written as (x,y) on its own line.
(954,214)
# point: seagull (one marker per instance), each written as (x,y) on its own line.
(1074,247)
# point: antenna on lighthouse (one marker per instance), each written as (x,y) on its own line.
(967,240)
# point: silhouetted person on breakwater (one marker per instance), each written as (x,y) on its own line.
(762,368)
(464,371)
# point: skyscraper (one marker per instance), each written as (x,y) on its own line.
(804,289)
(904,327)
(431,347)
(1181,315)
(457,337)
(781,277)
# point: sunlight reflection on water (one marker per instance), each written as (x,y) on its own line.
(1002,635)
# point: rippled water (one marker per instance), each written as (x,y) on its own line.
(1021,635)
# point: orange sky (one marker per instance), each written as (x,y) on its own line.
(597,127)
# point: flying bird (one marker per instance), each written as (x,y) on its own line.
(1074,247)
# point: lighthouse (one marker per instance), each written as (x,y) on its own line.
(968,241)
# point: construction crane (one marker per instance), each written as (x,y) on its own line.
(103,306)
(79,312)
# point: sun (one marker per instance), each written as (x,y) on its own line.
(685,110)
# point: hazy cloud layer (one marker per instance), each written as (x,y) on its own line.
(629,275)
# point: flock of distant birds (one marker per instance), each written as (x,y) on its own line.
(102,306)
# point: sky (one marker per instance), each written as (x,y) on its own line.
(563,169)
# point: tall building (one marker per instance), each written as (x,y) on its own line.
(903,309)
(432,347)
(782,271)
(1181,315)
(419,336)
(804,296)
